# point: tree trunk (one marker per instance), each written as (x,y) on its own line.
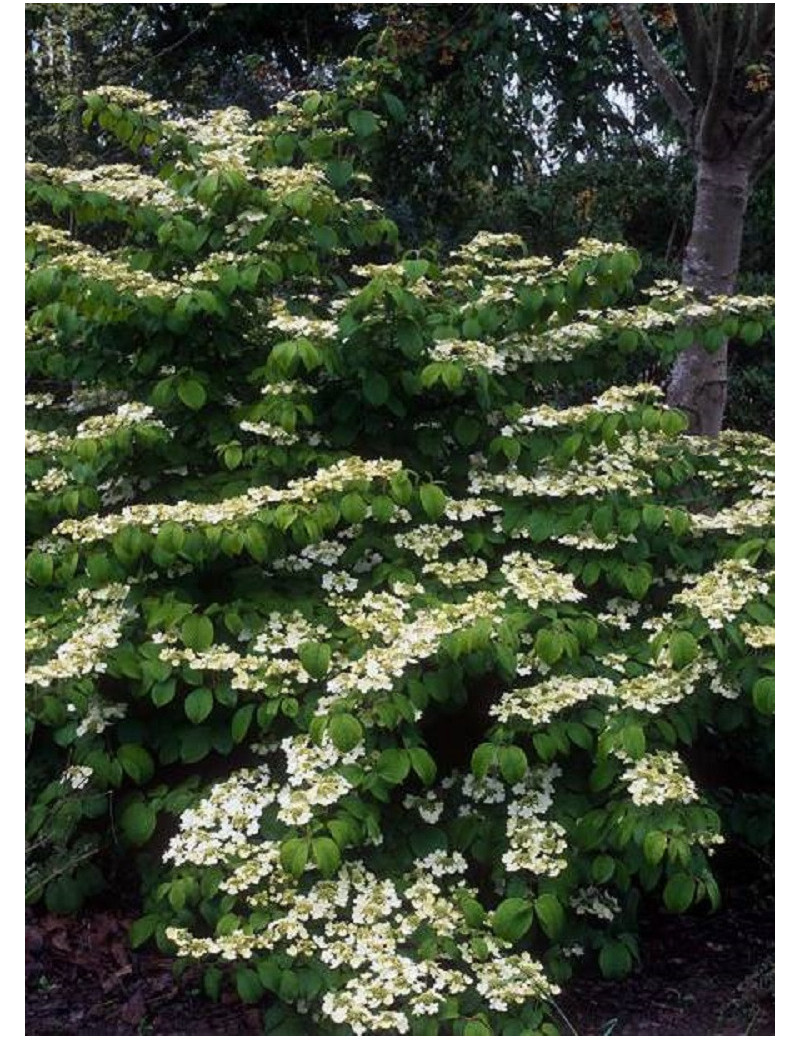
(699,380)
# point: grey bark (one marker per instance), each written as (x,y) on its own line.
(699,379)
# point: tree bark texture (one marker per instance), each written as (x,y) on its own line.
(699,380)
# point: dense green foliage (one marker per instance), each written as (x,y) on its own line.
(383,647)
(575,140)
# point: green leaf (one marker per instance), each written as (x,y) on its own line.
(467,429)
(654,846)
(602,869)
(197,632)
(393,765)
(162,693)
(513,763)
(362,122)
(683,649)
(137,762)
(394,106)
(478,1027)
(550,915)
(376,389)
(345,731)
(353,508)
(751,332)
(512,919)
(326,855)
(192,393)
(483,758)
(198,705)
(615,960)
(240,723)
(549,645)
(39,568)
(764,695)
(248,986)
(423,765)
(679,893)
(138,821)
(315,658)
(339,172)
(653,517)
(294,855)
(142,929)
(433,500)
(633,740)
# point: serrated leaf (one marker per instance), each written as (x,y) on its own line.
(602,869)
(654,846)
(683,649)
(679,893)
(513,763)
(615,959)
(326,855)
(345,731)
(512,919)
(240,723)
(192,394)
(764,695)
(198,705)
(315,658)
(137,762)
(393,765)
(197,632)
(294,855)
(550,914)
(433,500)
(138,821)
(483,758)
(376,389)
(423,765)
(141,930)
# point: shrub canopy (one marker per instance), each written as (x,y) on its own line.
(360,599)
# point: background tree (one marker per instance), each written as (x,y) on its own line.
(727,113)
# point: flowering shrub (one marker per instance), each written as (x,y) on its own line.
(345,606)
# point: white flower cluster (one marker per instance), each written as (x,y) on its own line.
(428,540)
(535,581)
(538,704)
(380,667)
(535,845)
(661,686)
(657,778)
(337,477)
(102,613)
(363,927)
(468,352)
(127,415)
(77,777)
(594,902)
(719,594)
(270,431)
(759,637)
(459,572)
(615,399)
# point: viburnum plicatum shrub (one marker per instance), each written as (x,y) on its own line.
(383,642)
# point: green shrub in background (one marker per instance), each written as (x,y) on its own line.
(383,645)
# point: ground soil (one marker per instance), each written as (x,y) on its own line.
(700,975)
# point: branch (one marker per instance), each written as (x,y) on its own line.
(757,131)
(694,32)
(724,65)
(665,79)
(763,36)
